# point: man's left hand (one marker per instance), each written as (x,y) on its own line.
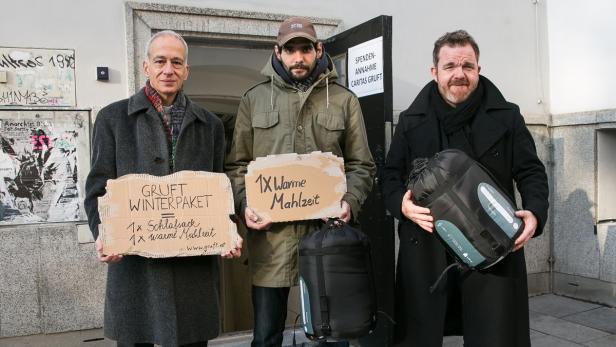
(530,226)
(346,211)
(345,215)
(234,252)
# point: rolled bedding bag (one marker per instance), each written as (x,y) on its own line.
(473,216)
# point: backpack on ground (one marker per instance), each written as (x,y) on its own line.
(336,283)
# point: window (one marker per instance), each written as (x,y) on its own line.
(606,175)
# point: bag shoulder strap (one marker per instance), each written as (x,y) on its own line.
(323,299)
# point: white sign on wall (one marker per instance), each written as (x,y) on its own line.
(37,77)
(365,67)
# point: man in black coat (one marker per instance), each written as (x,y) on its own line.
(461,109)
(158,131)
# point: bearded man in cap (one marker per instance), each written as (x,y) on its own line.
(299,108)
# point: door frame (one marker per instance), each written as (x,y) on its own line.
(374,219)
(208,25)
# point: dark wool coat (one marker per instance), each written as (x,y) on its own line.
(169,301)
(493,305)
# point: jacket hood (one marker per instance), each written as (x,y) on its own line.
(329,76)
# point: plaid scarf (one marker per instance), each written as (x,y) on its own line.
(171,116)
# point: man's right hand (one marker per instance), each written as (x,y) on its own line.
(419,215)
(254,221)
(112,258)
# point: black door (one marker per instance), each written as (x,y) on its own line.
(377,107)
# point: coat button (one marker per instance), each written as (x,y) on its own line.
(414,241)
(300,128)
(158,160)
(495,153)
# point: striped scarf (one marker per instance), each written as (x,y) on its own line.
(171,116)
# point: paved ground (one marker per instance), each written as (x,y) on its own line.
(555,321)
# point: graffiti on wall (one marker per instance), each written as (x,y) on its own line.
(37,77)
(40,165)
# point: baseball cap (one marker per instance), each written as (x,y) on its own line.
(295,27)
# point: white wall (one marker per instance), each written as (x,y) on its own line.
(95,29)
(582,53)
(505,31)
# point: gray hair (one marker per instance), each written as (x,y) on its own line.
(454,38)
(167,33)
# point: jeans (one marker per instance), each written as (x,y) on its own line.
(270,314)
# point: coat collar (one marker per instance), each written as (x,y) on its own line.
(486,129)
(329,76)
(493,98)
(138,103)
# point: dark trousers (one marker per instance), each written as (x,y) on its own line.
(124,344)
(270,314)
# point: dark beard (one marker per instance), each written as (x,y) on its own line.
(319,66)
(308,70)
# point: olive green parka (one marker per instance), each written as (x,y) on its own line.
(275,118)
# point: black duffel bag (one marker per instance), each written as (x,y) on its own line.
(336,283)
(473,216)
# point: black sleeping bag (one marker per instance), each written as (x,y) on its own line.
(473,217)
(336,283)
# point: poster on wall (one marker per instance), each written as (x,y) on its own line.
(44,154)
(37,77)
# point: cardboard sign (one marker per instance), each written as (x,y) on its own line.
(289,187)
(183,214)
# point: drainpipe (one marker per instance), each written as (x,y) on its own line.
(550,155)
(551,259)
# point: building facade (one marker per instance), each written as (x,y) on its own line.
(549,57)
